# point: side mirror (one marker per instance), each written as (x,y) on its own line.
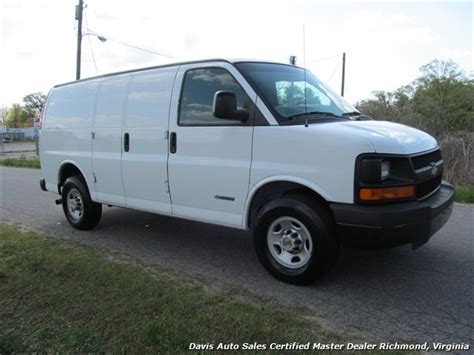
(225,107)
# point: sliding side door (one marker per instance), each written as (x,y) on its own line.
(145,144)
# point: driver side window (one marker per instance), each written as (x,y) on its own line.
(197,96)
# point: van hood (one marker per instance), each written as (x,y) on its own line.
(389,137)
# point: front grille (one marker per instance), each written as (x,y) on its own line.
(421,161)
(425,188)
(423,164)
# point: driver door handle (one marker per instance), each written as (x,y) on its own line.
(126,142)
(173,142)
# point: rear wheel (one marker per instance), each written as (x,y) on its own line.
(295,239)
(80,211)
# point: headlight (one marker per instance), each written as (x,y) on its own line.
(371,172)
(384,170)
(380,178)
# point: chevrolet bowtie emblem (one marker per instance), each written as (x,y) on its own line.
(434,169)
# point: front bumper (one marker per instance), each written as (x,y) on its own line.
(394,224)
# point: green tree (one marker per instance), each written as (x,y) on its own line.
(17,117)
(4,112)
(383,107)
(33,103)
(444,97)
(440,100)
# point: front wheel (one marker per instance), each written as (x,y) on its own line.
(80,211)
(295,239)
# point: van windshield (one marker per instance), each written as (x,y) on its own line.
(294,94)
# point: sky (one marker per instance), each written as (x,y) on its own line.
(385,42)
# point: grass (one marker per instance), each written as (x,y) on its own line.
(58,298)
(22,162)
(464,194)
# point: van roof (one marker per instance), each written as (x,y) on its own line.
(229,60)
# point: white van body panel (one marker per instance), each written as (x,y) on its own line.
(314,154)
(198,175)
(66,135)
(389,137)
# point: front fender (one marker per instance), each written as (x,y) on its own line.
(280,178)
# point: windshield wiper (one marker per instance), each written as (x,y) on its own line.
(352,113)
(313,113)
(356,116)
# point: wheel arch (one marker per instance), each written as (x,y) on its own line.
(67,169)
(269,188)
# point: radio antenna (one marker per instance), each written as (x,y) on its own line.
(304,69)
(304,47)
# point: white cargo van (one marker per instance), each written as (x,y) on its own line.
(245,144)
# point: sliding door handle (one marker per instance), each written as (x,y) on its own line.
(173,142)
(126,142)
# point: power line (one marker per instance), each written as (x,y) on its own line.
(334,72)
(132,45)
(90,43)
(142,49)
(322,59)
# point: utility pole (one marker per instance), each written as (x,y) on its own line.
(343,72)
(79,9)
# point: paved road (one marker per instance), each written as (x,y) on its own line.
(390,295)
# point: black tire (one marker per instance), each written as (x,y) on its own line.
(91,211)
(318,222)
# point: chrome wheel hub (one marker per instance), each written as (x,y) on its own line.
(74,204)
(289,242)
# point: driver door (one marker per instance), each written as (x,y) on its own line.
(209,161)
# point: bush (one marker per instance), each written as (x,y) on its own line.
(458,155)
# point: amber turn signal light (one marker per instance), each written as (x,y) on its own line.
(386,193)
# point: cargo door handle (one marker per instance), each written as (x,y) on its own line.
(126,142)
(173,142)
